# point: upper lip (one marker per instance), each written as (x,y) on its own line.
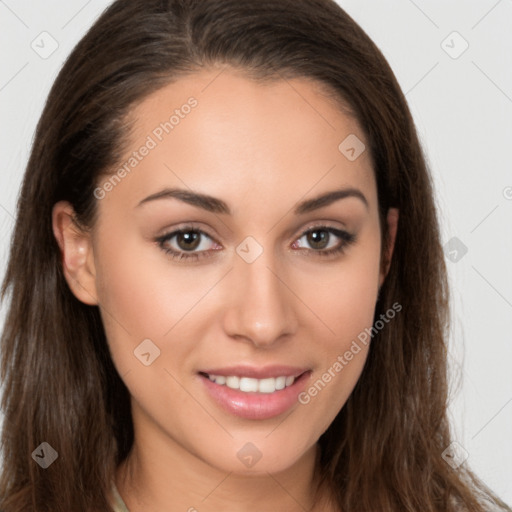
(257,372)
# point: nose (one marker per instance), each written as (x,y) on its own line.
(261,307)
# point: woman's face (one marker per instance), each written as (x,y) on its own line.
(265,287)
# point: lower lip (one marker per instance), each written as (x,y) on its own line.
(252,405)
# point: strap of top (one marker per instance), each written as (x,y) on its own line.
(119,505)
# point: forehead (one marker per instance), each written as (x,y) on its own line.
(223,133)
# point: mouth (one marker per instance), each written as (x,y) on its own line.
(255,393)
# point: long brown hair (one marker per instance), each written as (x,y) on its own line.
(384,449)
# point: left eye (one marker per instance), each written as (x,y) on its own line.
(319,238)
(186,243)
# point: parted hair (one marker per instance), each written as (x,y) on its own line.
(383,451)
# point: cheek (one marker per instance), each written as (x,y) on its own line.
(126,292)
(342,295)
(345,302)
(141,294)
(342,357)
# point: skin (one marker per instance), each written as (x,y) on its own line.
(261,148)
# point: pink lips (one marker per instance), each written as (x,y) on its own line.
(255,405)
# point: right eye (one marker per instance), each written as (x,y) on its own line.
(185,243)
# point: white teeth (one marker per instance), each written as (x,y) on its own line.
(248,384)
(267,385)
(280,383)
(231,382)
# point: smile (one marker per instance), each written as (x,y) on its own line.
(255,393)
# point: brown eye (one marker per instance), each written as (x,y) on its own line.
(188,243)
(188,240)
(318,239)
(325,241)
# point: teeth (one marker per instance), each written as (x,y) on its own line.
(267,385)
(248,384)
(231,382)
(280,383)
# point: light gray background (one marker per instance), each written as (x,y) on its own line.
(463,111)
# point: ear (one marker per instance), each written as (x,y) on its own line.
(392,221)
(77,255)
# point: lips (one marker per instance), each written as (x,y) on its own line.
(255,393)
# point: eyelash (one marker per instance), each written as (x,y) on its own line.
(347,240)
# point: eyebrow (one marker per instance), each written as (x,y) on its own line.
(215,205)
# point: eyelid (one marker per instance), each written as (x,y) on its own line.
(320,224)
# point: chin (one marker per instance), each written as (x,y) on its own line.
(248,455)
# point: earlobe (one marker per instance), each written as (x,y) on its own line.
(77,254)
(392,221)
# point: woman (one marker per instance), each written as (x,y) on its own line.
(227,290)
